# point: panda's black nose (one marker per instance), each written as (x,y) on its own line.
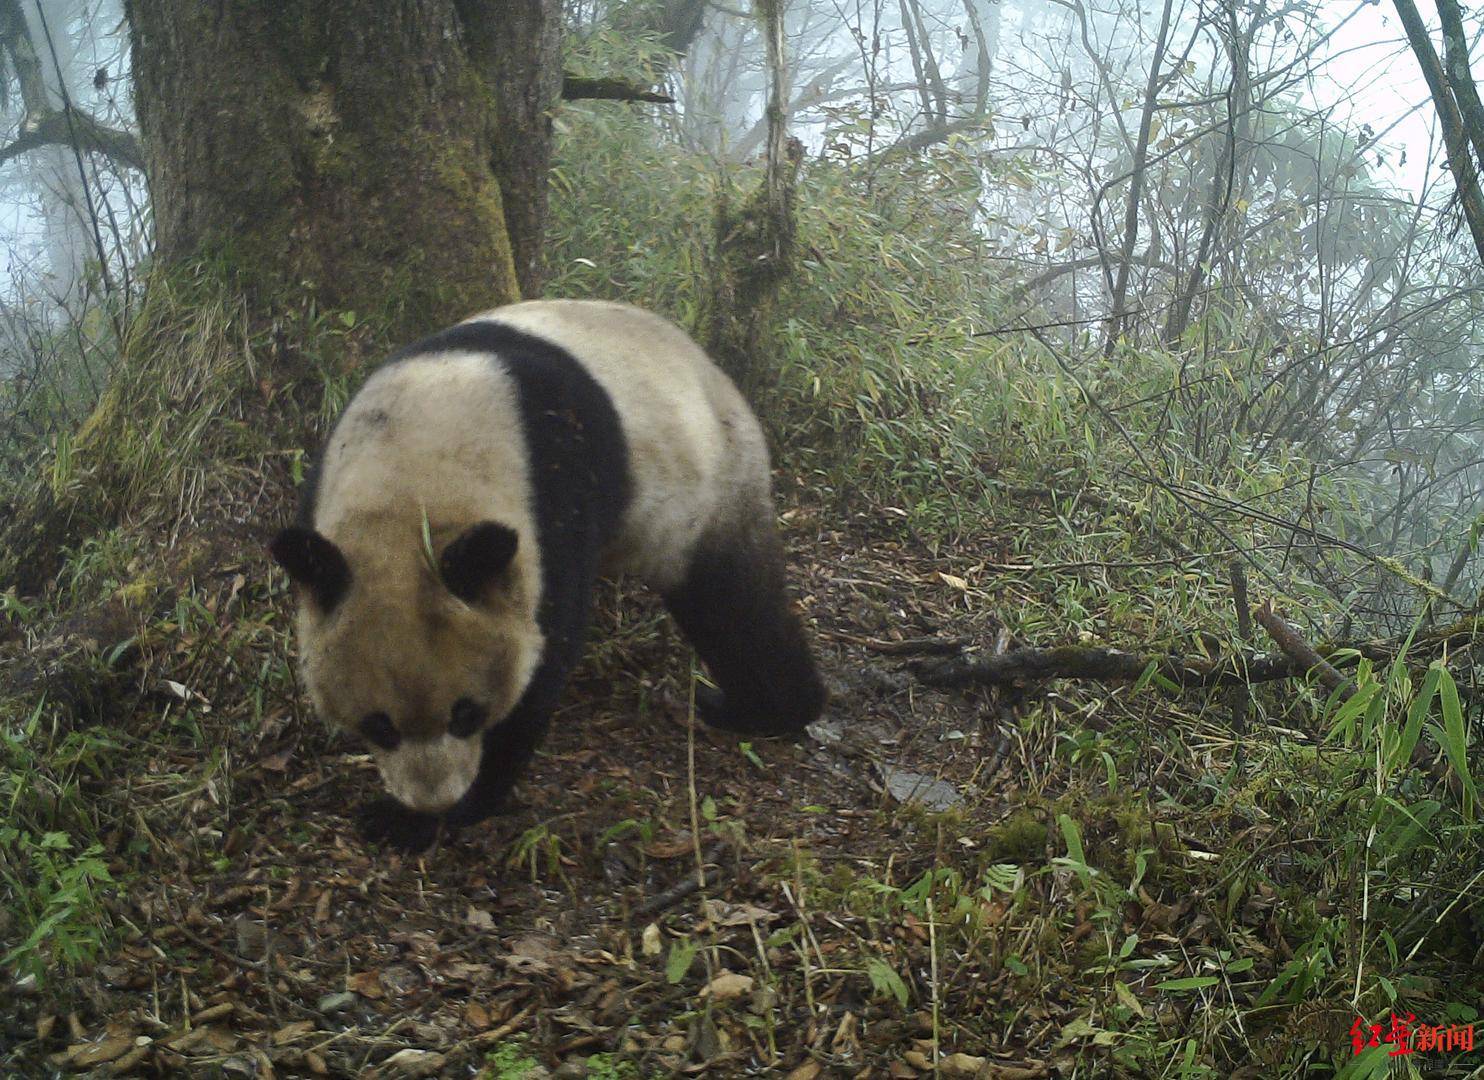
(466,718)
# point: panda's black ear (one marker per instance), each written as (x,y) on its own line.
(313,563)
(473,561)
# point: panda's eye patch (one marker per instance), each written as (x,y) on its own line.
(378,728)
(466,718)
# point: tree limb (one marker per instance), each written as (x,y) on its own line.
(578,88)
(1300,651)
(1114,665)
(1450,119)
(52,129)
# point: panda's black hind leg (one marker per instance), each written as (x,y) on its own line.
(734,608)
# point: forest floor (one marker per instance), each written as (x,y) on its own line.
(884,897)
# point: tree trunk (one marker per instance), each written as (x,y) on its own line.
(1450,119)
(527,83)
(350,149)
(1119,318)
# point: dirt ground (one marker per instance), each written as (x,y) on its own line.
(268,940)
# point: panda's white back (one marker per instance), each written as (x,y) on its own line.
(697,457)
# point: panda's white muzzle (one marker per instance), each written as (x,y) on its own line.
(430,775)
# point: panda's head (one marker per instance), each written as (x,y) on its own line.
(415,656)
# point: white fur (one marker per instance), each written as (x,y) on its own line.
(440,436)
(451,447)
(430,776)
(696,454)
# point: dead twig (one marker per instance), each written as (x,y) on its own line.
(905,647)
(1300,651)
(1103,665)
(685,887)
(1241,698)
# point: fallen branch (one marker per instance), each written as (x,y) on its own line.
(1300,651)
(1102,665)
(905,647)
(578,88)
(1113,665)
(686,886)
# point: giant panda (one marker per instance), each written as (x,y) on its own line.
(474,489)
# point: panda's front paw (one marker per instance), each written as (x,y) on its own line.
(478,806)
(386,821)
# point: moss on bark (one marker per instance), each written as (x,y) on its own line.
(340,150)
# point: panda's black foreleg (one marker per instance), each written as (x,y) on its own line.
(734,608)
(508,748)
(386,821)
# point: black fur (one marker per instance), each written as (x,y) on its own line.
(378,728)
(732,605)
(472,562)
(735,610)
(312,562)
(466,718)
(580,474)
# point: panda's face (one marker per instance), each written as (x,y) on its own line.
(413,664)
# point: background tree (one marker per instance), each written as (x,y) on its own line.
(356,149)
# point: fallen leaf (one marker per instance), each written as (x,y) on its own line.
(724,914)
(960,1066)
(367,984)
(957,582)
(907,786)
(89,1054)
(215,1012)
(534,947)
(289,1032)
(670,849)
(652,944)
(479,918)
(476,1016)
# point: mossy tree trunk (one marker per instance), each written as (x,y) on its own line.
(354,150)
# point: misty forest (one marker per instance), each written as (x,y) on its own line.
(1121,372)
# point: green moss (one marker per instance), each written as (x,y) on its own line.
(1020,838)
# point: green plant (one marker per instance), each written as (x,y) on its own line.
(55,894)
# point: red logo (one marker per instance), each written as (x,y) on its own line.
(1406,1036)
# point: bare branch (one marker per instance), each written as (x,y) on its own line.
(578,88)
(53,129)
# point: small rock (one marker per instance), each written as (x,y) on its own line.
(334,1004)
(416,1063)
(571,1069)
(907,786)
